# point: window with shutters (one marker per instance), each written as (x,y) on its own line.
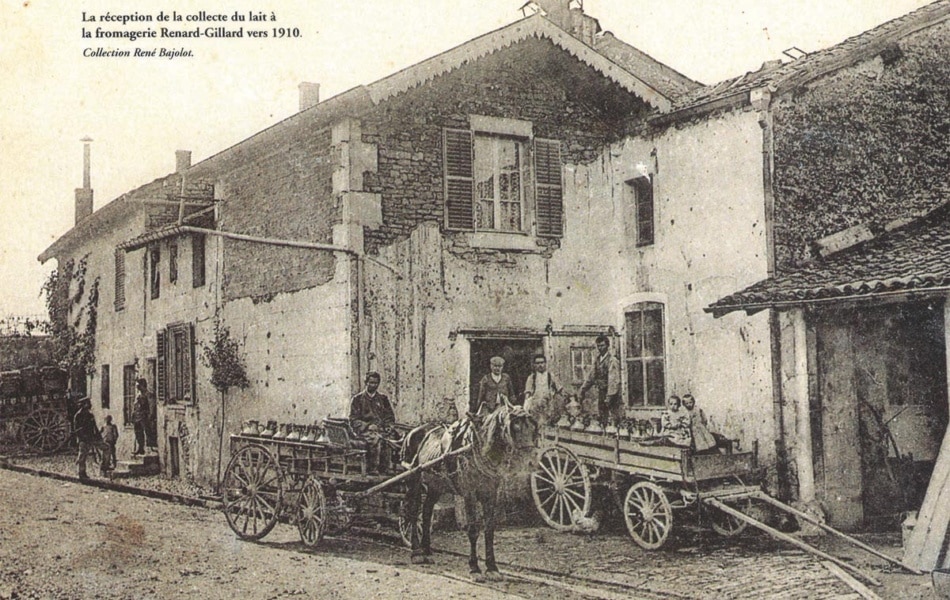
(197,260)
(176,364)
(128,393)
(645,354)
(498,178)
(119,280)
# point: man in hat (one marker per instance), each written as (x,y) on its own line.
(140,415)
(494,388)
(372,416)
(87,434)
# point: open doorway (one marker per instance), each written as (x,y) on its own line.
(518,354)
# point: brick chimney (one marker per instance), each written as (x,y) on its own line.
(84,194)
(309,94)
(569,16)
(182,160)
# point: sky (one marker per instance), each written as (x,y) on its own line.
(139,111)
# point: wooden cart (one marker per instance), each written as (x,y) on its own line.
(321,487)
(649,482)
(34,409)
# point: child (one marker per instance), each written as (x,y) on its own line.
(676,423)
(110,435)
(703,440)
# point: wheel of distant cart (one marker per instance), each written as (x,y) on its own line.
(561,488)
(311,514)
(339,515)
(253,491)
(44,431)
(727,525)
(404,524)
(648,514)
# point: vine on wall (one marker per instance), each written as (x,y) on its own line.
(73,315)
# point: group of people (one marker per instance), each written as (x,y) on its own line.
(100,442)
(683,424)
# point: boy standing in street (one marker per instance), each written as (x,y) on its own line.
(110,435)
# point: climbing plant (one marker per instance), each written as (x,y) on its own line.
(73,316)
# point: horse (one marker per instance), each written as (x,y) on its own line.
(498,443)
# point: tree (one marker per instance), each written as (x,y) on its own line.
(224,357)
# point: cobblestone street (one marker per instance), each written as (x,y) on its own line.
(164,550)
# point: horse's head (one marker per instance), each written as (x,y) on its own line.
(509,429)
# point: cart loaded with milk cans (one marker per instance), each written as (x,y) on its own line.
(34,409)
(316,477)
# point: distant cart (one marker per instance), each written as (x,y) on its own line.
(650,482)
(321,485)
(34,409)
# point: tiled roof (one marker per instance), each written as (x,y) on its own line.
(819,63)
(668,81)
(915,257)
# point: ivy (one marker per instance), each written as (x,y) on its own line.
(73,316)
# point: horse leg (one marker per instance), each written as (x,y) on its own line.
(428,506)
(413,498)
(470,517)
(488,508)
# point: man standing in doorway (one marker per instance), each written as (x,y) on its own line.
(605,376)
(492,387)
(372,416)
(541,391)
(140,415)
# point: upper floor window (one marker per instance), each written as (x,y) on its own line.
(642,191)
(499,178)
(197,260)
(104,388)
(119,279)
(172,262)
(155,274)
(645,354)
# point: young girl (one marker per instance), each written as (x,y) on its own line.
(703,440)
(676,423)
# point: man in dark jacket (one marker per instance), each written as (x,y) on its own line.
(140,415)
(372,416)
(87,434)
(495,387)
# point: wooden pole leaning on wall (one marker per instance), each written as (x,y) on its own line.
(806,517)
(791,540)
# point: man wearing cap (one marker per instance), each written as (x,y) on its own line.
(493,387)
(87,434)
(371,415)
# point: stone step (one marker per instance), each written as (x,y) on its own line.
(138,466)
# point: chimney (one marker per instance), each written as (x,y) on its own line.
(309,95)
(569,16)
(84,194)
(182,160)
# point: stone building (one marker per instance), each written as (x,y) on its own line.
(524,192)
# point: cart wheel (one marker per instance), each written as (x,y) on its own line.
(727,525)
(560,486)
(404,531)
(252,492)
(44,431)
(311,512)
(648,514)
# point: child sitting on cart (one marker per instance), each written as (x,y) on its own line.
(675,424)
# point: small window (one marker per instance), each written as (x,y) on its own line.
(119,280)
(104,387)
(172,262)
(197,260)
(176,364)
(155,274)
(645,356)
(642,191)
(582,363)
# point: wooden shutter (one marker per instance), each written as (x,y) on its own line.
(119,279)
(188,373)
(459,179)
(548,186)
(197,260)
(161,376)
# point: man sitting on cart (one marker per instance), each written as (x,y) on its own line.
(372,416)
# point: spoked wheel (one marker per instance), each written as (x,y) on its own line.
(311,514)
(561,488)
(253,491)
(648,514)
(405,532)
(44,431)
(727,525)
